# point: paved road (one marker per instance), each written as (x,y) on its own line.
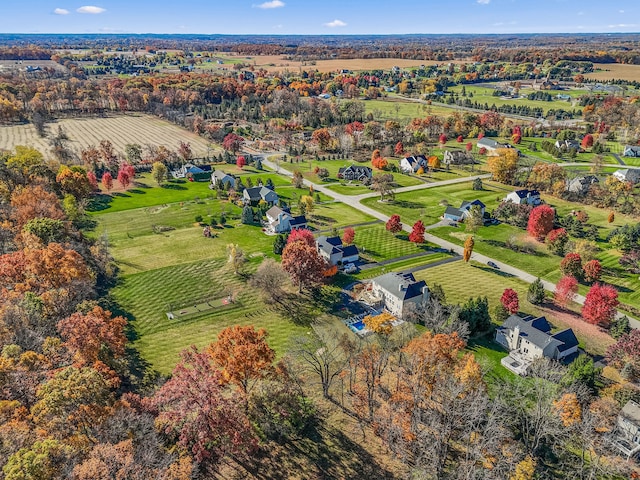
(354,201)
(618,159)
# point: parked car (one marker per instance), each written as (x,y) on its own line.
(492,265)
(350,268)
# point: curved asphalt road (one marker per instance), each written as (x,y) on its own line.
(355,202)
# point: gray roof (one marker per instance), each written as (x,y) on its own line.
(538,331)
(220,175)
(488,143)
(401,285)
(274,211)
(631,411)
(357,169)
(257,193)
(330,245)
(456,212)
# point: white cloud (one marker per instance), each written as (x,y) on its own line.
(91,9)
(484,2)
(620,11)
(61,11)
(335,23)
(623,25)
(271,4)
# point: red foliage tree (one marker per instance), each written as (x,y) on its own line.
(510,301)
(123,178)
(301,235)
(571,265)
(592,270)
(394,225)
(482,151)
(469,146)
(232,142)
(460,139)
(348,235)
(442,139)
(93,181)
(303,263)
(417,232)
(194,408)
(241,162)
(566,290)
(625,350)
(480,136)
(540,221)
(399,149)
(557,240)
(516,139)
(33,201)
(107,181)
(600,304)
(587,141)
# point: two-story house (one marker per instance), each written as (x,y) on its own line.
(334,252)
(627,432)
(280,220)
(252,196)
(399,293)
(524,196)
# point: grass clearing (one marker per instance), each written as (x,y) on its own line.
(377,243)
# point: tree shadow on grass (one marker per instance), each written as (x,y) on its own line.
(407,204)
(99,202)
(137,191)
(141,185)
(173,186)
(494,271)
(120,194)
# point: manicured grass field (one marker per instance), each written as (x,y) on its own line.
(396,108)
(425,204)
(378,244)
(149,295)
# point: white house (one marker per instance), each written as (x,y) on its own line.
(399,292)
(412,164)
(627,432)
(530,197)
(332,250)
(253,196)
(627,175)
(528,339)
(631,151)
(459,214)
(281,221)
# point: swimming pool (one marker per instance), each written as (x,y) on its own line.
(357,326)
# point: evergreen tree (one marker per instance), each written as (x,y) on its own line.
(536,294)
(279,243)
(247,215)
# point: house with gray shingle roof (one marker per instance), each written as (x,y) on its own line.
(334,252)
(459,214)
(627,175)
(253,196)
(280,220)
(219,178)
(528,339)
(399,292)
(627,433)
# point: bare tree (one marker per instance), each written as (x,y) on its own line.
(269,279)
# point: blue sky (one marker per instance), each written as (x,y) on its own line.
(326,17)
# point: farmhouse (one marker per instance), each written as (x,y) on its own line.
(581,184)
(628,175)
(199,173)
(219,178)
(528,339)
(627,432)
(490,144)
(631,151)
(399,292)
(566,145)
(521,197)
(459,214)
(457,157)
(280,220)
(355,172)
(253,196)
(413,164)
(332,250)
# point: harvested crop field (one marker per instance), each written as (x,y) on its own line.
(120,130)
(615,71)
(277,62)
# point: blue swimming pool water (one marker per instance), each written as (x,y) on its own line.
(359,325)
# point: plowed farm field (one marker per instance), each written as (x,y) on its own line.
(120,130)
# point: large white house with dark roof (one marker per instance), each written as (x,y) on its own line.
(528,339)
(524,196)
(280,220)
(399,292)
(334,252)
(628,175)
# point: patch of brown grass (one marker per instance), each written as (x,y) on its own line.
(615,71)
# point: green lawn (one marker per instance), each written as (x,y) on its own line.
(377,243)
(399,109)
(425,204)
(149,295)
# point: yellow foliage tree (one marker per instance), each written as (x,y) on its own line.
(308,203)
(525,469)
(420,171)
(568,409)
(380,324)
(611,217)
(468,248)
(504,165)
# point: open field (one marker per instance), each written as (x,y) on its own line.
(278,63)
(615,71)
(149,295)
(376,243)
(119,129)
(397,108)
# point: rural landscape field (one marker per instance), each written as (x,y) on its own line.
(314,245)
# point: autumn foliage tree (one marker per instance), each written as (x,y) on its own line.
(301,234)
(31,202)
(592,270)
(600,304)
(571,265)
(504,165)
(626,351)
(232,142)
(195,412)
(303,263)
(242,355)
(587,141)
(557,240)
(540,221)
(566,290)
(394,225)
(468,248)
(611,217)
(107,181)
(509,301)
(417,232)
(399,149)
(241,162)
(348,236)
